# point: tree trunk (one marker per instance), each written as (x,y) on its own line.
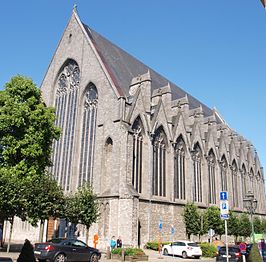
(10,234)
(87,235)
(41,231)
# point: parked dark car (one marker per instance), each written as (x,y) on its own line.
(60,250)
(234,254)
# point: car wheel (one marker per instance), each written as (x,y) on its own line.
(94,258)
(184,254)
(60,258)
(197,257)
(165,252)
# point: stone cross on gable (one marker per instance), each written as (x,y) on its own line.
(179,104)
(196,114)
(209,122)
(221,129)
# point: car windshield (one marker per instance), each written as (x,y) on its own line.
(192,244)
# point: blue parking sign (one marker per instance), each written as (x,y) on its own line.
(223,195)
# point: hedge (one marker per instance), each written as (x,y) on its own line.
(129,251)
(155,244)
(208,250)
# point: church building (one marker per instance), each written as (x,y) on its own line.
(145,145)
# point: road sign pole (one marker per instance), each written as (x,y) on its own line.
(226,241)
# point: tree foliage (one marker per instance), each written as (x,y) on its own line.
(48,200)
(12,192)
(27,131)
(233,225)
(192,219)
(27,128)
(83,206)
(263,226)
(257,225)
(244,225)
(254,255)
(214,220)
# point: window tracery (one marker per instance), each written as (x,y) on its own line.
(243,181)
(223,167)
(137,129)
(179,169)
(197,179)
(159,163)
(66,111)
(251,179)
(212,177)
(88,134)
(234,184)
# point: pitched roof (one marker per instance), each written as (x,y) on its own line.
(122,67)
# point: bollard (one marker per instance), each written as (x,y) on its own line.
(108,253)
(123,254)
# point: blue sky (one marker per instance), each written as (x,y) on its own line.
(215,50)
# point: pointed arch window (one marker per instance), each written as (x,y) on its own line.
(179,169)
(159,163)
(251,179)
(197,180)
(211,177)
(224,166)
(257,191)
(137,129)
(243,181)
(234,184)
(88,131)
(66,112)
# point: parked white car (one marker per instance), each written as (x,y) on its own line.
(183,248)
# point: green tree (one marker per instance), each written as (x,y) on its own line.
(27,131)
(48,200)
(83,207)
(214,220)
(263,226)
(203,224)
(27,128)
(244,225)
(254,255)
(13,201)
(257,225)
(192,219)
(233,225)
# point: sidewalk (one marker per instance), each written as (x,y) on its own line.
(154,256)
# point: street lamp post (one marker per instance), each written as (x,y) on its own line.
(250,203)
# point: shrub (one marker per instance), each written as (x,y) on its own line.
(154,245)
(129,251)
(208,250)
(254,255)
(134,252)
(117,251)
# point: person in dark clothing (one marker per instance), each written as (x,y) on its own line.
(119,242)
(26,254)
